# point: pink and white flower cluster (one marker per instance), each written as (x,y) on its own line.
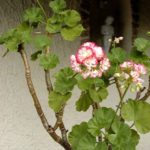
(90,61)
(131,71)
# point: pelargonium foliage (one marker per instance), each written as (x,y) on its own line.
(90,60)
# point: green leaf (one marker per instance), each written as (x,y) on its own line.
(56,18)
(33,16)
(71,17)
(49,61)
(123,137)
(121,134)
(80,139)
(134,137)
(83,102)
(71,34)
(12,44)
(88,142)
(10,40)
(98,82)
(98,95)
(128,111)
(102,119)
(24,33)
(101,146)
(53,27)
(78,131)
(7,36)
(83,84)
(64,81)
(41,41)
(35,55)
(57,5)
(14,37)
(56,100)
(142,44)
(139,113)
(117,55)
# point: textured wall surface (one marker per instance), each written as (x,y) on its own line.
(20,127)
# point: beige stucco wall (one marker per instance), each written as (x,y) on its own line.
(20,127)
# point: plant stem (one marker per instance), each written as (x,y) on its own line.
(59,117)
(138,95)
(122,95)
(121,99)
(111,83)
(132,125)
(147,94)
(59,122)
(7,51)
(47,75)
(95,106)
(118,88)
(42,8)
(48,81)
(36,101)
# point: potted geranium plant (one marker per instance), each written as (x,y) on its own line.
(93,71)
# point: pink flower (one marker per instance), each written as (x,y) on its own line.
(89,44)
(90,61)
(99,53)
(84,53)
(75,66)
(140,68)
(138,80)
(94,73)
(132,72)
(127,64)
(135,74)
(104,64)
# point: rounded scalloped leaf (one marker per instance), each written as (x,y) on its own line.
(49,61)
(81,139)
(64,81)
(57,5)
(41,41)
(117,55)
(123,137)
(142,44)
(71,17)
(83,102)
(57,101)
(102,119)
(98,95)
(138,112)
(33,15)
(71,34)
